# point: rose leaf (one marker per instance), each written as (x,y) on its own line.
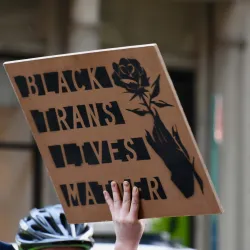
(161,104)
(156,88)
(139,112)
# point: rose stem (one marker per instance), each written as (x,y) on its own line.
(148,107)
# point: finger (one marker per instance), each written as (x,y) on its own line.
(134,204)
(126,198)
(109,201)
(116,196)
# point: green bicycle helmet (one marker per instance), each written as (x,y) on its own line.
(48,227)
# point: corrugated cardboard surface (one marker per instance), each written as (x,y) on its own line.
(175,180)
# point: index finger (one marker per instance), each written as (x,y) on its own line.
(109,201)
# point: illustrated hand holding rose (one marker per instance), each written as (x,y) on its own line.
(132,77)
(124,213)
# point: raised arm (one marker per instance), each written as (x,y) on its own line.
(128,228)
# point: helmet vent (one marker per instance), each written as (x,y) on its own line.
(64,221)
(28,218)
(37,228)
(25,236)
(52,223)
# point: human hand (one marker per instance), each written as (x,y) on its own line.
(124,213)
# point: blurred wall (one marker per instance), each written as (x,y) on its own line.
(16,172)
(231,80)
(21,27)
(173,26)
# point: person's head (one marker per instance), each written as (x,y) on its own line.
(47,228)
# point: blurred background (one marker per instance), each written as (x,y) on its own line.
(206,47)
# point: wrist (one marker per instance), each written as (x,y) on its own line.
(126,246)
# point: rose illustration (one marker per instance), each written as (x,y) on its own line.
(130,75)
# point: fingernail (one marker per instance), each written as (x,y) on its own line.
(135,189)
(113,184)
(125,183)
(105,192)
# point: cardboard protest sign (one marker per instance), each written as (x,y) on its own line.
(113,115)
